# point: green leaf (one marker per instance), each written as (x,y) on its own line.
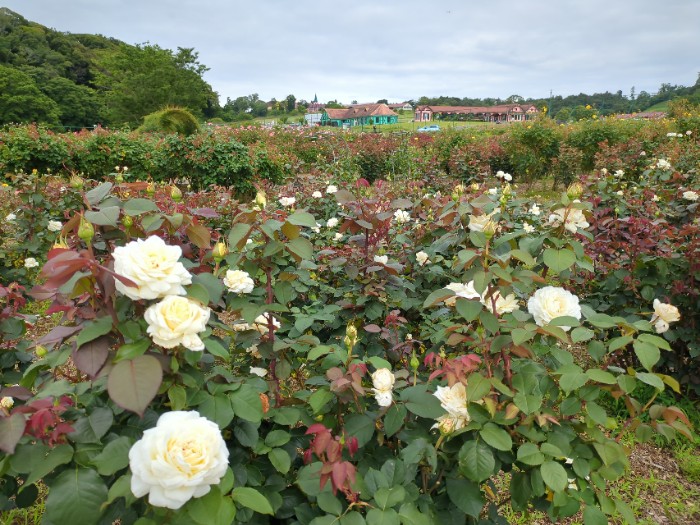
(138,206)
(132,350)
(76,496)
(277,438)
(594,516)
(91,429)
(601,376)
(212,509)
(94,329)
(554,475)
(389,497)
(301,249)
(251,498)
(437,297)
(237,234)
(327,502)
(528,403)
(214,286)
(302,218)
(114,457)
(647,354)
(394,419)
(107,216)
(320,399)
(217,409)
(497,437)
(215,348)
(580,334)
(572,381)
(318,351)
(651,379)
(280,460)
(56,456)
(382,517)
(468,308)
(477,387)
(360,426)
(523,256)
(476,460)
(466,496)
(655,340)
(529,454)
(96,194)
(559,260)
(410,515)
(247,404)
(11,430)
(421,402)
(133,384)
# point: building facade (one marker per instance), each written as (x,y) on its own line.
(500,113)
(359,115)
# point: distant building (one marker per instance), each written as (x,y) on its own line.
(500,113)
(359,115)
(314,106)
(313,119)
(401,106)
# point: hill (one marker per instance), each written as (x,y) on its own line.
(80,80)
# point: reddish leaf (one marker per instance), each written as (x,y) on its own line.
(11,430)
(133,384)
(91,356)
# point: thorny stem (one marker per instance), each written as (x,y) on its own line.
(271,332)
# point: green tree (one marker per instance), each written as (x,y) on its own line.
(78,106)
(22,101)
(291,103)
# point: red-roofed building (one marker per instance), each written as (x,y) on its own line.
(360,114)
(500,113)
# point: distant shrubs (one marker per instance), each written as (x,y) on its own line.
(170,120)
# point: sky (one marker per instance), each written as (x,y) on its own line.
(399,50)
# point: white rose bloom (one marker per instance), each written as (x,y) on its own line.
(317,195)
(30,262)
(689,132)
(337,236)
(422,258)
(619,173)
(238,281)
(454,400)
(508,177)
(55,226)
(529,228)
(493,191)
(261,323)
(663,164)
(382,259)
(332,222)
(619,193)
(254,351)
(153,266)
(655,198)
(664,314)
(10,217)
(690,195)
(466,291)
(478,222)
(572,218)
(447,424)
(331,189)
(401,216)
(178,459)
(260,372)
(287,201)
(535,209)
(7,402)
(551,302)
(500,174)
(177,320)
(382,380)
(504,305)
(383,398)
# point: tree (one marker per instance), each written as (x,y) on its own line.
(78,106)
(291,103)
(22,101)
(382,101)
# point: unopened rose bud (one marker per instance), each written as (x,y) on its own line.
(151,188)
(507,190)
(41,351)
(176,194)
(415,362)
(118,178)
(86,231)
(7,402)
(219,251)
(127,221)
(350,337)
(76,182)
(475,186)
(490,229)
(575,190)
(261,200)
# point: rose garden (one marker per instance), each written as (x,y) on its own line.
(311,327)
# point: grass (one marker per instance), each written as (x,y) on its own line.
(661,106)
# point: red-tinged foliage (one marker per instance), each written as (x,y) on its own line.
(454,370)
(329,451)
(45,421)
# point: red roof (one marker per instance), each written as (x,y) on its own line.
(502,108)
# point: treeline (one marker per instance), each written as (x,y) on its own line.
(574,107)
(79,81)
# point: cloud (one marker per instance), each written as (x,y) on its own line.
(403,49)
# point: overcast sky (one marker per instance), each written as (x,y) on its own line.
(366,50)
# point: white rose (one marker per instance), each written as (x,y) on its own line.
(655,198)
(551,302)
(178,459)
(478,222)
(572,218)
(317,195)
(153,266)
(503,304)
(619,193)
(500,174)
(508,177)
(383,398)
(260,372)
(382,380)
(528,228)
(7,402)
(690,195)
(331,189)
(422,258)
(664,314)
(493,191)
(55,226)
(337,236)
(382,259)
(663,164)
(238,281)
(10,217)
(177,320)
(401,216)
(535,209)
(287,201)
(619,173)
(332,222)
(30,262)
(261,323)
(454,400)
(466,291)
